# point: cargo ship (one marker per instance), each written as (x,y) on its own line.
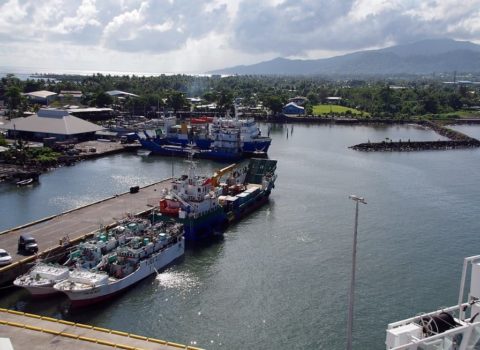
(142,256)
(205,206)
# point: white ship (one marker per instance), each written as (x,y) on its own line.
(40,279)
(452,328)
(141,258)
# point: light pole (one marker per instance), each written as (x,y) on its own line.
(352,281)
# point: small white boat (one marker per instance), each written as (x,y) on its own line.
(40,279)
(143,152)
(25,182)
(449,328)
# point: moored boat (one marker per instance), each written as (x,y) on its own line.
(25,182)
(205,206)
(219,138)
(142,257)
(39,280)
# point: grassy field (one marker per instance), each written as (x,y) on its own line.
(327,109)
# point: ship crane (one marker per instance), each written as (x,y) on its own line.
(219,173)
(185,204)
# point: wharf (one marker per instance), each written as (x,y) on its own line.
(78,224)
(32,332)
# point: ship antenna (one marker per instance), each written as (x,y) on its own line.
(191,163)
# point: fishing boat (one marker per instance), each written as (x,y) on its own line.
(205,206)
(455,327)
(39,280)
(139,259)
(220,138)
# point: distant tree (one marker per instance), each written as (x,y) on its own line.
(225,100)
(210,96)
(14,96)
(102,99)
(313,98)
(177,101)
(3,142)
(274,103)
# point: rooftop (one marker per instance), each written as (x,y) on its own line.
(40,94)
(52,121)
(116,93)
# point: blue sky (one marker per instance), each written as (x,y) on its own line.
(188,36)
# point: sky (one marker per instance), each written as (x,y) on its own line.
(193,37)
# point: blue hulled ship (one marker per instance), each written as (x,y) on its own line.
(205,206)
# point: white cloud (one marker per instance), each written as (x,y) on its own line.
(85,16)
(196,35)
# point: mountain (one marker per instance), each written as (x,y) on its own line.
(422,57)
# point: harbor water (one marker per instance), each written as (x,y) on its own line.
(280,277)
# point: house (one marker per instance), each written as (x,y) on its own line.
(333,100)
(293,108)
(299,100)
(51,122)
(91,113)
(70,95)
(43,97)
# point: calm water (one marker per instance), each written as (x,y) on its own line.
(279,279)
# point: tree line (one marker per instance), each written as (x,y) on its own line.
(378,98)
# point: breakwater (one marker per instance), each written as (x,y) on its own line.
(457,140)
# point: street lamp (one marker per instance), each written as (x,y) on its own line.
(352,281)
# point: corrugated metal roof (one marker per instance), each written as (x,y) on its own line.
(89,110)
(41,94)
(293,104)
(120,93)
(52,121)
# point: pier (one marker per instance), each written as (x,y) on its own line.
(77,224)
(30,332)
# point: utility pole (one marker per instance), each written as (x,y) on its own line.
(351,298)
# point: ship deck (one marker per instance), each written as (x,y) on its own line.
(32,332)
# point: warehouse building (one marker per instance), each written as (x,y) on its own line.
(48,123)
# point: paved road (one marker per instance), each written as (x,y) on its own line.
(32,332)
(84,220)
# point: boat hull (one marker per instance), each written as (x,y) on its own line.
(40,291)
(180,151)
(202,229)
(147,267)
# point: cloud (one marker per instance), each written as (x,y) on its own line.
(171,34)
(161,26)
(128,25)
(296,27)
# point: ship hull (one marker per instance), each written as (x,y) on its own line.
(147,267)
(180,151)
(203,229)
(40,291)
(256,146)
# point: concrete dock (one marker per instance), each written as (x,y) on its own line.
(78,224)
(32,332)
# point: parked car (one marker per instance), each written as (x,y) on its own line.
(5,258)
(27,244)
